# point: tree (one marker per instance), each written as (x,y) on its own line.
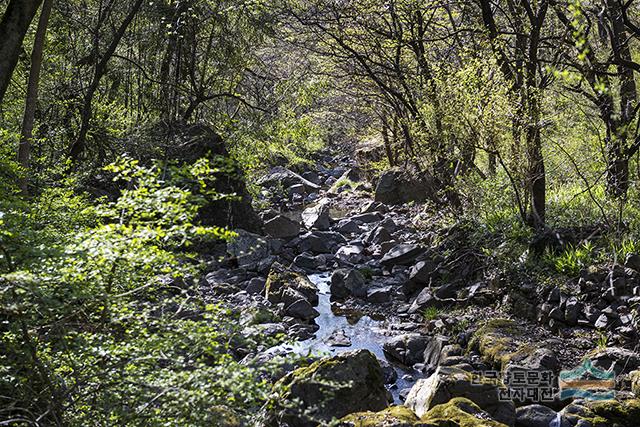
(13,28)
(26,135)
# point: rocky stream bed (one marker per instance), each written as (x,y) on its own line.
(403,325)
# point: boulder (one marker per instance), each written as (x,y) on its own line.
(407,349)
(188,144)
(329,388)
(395,416)
(317,217)
(350,254)
(448,383)
(378,236)
(397,186)
(634,377)
(248,248)
(345,283)
(602,413)
(535,416)
(283,177)
(380,295)
(621,360)
(301,309)
(458,412)
(281,227)
(282,284)
(319,242)
(402,254)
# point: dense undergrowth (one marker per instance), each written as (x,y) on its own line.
(102,319)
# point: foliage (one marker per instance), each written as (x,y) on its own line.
(107,326)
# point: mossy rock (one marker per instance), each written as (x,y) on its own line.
(330,388)
(225,416)
(279,279)
(624,413)
(497,342)
(634,377)
(395,416)
(458,412)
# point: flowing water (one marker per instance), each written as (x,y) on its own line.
(352,332)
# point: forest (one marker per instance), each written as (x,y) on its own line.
(298,213)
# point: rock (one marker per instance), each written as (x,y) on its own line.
(256,286)
(620,359)
(311,176)
(281,227)
(374,207)
(402,254)
(346,283)
(248,248)
(632,261)
(308,262)
(367,217)
(390,374)
(283,177)
(319,242)
(347,226)
(380,295)
(603,413)
(350,254)
(190,143)
(634,377)
(448,383)
(407,349)
(398,186)
(535,416)
(377,236)
(281,281)
(458,412)
(395,416)
(329,388)
(339,339)
(572,310)
(301,309)
(317,217)
(424,299)
(433,350)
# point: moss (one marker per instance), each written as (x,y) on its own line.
(462,412)
(624,413)
(395,416)
(496,342)
(635,382)
(279,278)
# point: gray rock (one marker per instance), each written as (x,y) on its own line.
(309,262)
(374,207)
(448,383)
(248,248)
(572,310)
(433,350)
(327,389)
(351,254)
(281,227)
(283,177)
(367,217)
(380,295)
(535,416)
(378,235)
(318,242)
(407,349)
(346,283)
(317,217)
(398,186)
(620,359)
(632,261)
(301,309)
(339,339)
(402,254)
(256,286)
(347,226)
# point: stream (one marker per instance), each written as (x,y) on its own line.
(339,333)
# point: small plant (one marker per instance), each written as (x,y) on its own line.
(430,313)
(343,182)
(367,272)
(573,259)
(602,340)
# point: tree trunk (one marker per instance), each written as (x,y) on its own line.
(13,28)
(78,146)
(24,149)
